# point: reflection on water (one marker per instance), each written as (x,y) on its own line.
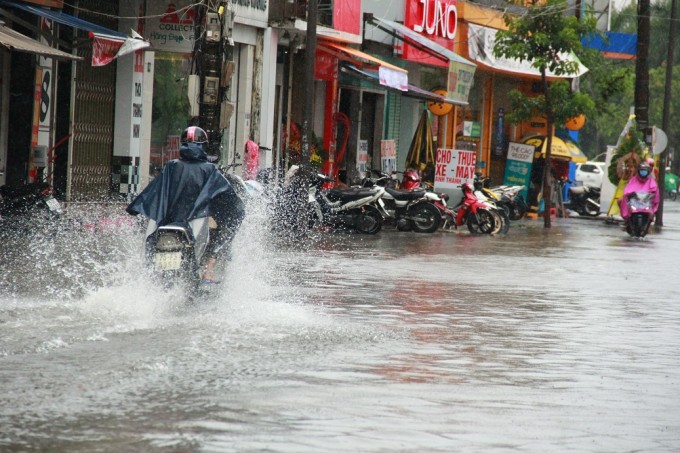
(564,340)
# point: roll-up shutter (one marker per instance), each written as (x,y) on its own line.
(93,116)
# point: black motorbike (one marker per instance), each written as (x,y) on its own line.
(24,201)
(585,200)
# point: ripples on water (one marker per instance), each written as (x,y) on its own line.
(446,342)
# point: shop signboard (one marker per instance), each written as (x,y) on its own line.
(436,20)
(454,167)
(170,25)
(459,82)
(518,165)
(388,156)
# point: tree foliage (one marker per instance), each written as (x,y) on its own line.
(545,37)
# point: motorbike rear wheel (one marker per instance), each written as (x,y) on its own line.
(518,208)
(425,217)
(369,221)
(483,222)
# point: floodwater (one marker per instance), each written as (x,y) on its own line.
(559,340)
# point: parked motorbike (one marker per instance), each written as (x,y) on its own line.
(495,203)
(478,215)
(29,199)
(507,198)
(638,223)
(344,208)
(408,208)
(585,200)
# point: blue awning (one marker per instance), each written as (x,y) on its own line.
(63,18)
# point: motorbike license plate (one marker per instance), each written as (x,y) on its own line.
(53,204)
(169,261)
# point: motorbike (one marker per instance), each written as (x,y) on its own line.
(671,185)
(479,216)
(344,208)
(175,252)
(409,208)
(585,200)
(642,213)
(494,203)
(29,199)
(506,198)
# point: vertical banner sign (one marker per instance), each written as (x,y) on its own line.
(518,165)
(362,157)
(454,167)
(388,156)
(500,139)
(37,95)
(137,104)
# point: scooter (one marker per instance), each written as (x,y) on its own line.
(411,207)
(27,200)
(344,208)
(478,215)
(175,252)
(640,204)
(585,200)
(506,198)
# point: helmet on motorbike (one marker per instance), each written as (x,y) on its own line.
(194,134)
(644,170)
(467,187)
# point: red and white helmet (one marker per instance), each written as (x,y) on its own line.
(467,187)
(193,134)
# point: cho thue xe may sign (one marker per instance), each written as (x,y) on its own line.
(454,167)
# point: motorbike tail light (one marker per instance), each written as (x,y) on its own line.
(168,243)
(46,192)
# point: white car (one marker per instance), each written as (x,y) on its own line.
(590,174)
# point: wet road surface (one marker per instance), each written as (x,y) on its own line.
(560,340)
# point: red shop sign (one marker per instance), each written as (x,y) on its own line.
(437,20)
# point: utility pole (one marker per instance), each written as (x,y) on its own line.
(666,121)
(310,60)
(642,65)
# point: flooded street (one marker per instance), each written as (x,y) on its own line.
(559,340)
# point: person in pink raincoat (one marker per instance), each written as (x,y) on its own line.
(642,181)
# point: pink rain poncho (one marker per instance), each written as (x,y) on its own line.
(637,184)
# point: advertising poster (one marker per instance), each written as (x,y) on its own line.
(454,167)
(170,26)
(388,156)
(518,165)
(362,157)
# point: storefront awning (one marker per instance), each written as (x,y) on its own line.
(413,90)
(14,40)
(481,41)
(63,18)
(420,41)
(107,44)
(389,75)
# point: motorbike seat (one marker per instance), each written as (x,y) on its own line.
(345,195)
(406,194)
(578,190)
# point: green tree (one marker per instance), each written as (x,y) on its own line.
(543,36)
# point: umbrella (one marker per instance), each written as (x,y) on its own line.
(421,152)
(562,149)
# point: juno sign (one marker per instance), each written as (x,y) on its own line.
(436,20)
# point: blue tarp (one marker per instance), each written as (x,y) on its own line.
(621,43)
(63,18)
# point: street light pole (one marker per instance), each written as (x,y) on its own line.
(308,114)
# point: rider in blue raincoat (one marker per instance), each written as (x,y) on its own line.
(189,188)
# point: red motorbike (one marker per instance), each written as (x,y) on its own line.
(478,215)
